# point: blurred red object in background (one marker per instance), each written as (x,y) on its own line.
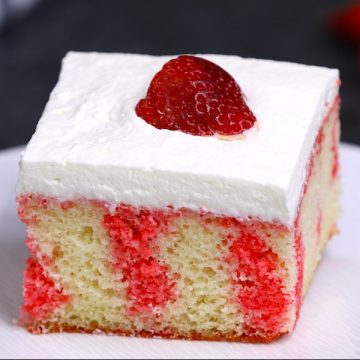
(346,23)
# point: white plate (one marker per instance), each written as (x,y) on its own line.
(329,326)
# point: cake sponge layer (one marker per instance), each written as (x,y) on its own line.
(171,272)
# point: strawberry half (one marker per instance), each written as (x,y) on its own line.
(195,96)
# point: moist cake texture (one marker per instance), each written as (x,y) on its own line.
(141,231)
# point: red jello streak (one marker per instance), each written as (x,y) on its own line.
(134,234)
(41,295)
(66,205)
(27,203)
(319,221)
(260,290)
(335,149)
(300,257)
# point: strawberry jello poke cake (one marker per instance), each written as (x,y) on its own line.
(182,197)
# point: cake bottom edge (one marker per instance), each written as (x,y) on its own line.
(51,328)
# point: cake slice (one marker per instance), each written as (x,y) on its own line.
(187,197)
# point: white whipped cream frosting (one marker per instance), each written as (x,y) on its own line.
(90,143)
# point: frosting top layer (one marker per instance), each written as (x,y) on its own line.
(90,143)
